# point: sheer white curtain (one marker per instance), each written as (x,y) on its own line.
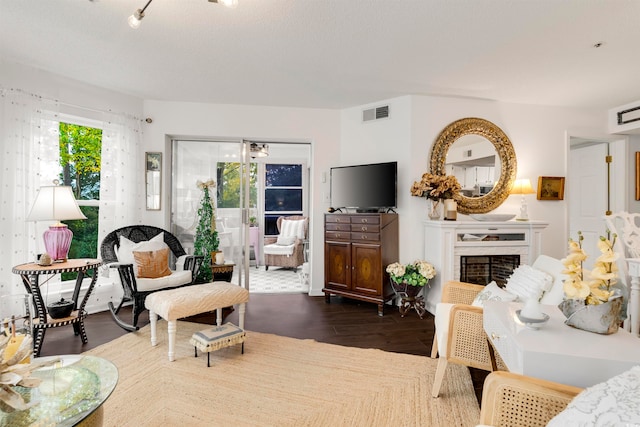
(121,175)
(29,139)
(29,158)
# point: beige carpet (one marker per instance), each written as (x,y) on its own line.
(279,381)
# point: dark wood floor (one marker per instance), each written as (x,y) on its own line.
(343,322)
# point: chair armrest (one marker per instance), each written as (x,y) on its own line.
(521,399)
(468,342)
(127,278)
(466,337)
(118,265)
(455,292)
(270,240)
(298,247)
(193,263)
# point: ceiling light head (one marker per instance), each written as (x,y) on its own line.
(259,150)
(134,20)
(231,4)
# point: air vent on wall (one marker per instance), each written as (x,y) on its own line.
(468,153)
(375,113)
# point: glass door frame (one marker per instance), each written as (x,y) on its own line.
(239,237)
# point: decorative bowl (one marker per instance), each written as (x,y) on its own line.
(532,323)
(492,217)
(60,309)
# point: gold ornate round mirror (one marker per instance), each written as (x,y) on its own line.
(489,196)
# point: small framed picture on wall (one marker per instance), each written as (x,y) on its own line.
(551,188)
(153,180)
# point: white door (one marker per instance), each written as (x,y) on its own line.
(588,195)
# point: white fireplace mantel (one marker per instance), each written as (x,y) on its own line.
(446,241)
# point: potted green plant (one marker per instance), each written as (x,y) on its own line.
(206,241)
(407,281)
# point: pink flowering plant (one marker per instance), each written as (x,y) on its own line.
(417,273)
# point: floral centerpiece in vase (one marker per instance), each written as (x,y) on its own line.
(407,281)
(591,303)
(436,188)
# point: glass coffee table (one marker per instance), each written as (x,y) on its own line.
(71,393)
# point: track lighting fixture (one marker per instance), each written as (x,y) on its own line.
(231,4)
(134,20)
(136,17)
(258,150)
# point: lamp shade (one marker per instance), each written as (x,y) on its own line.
(522,186)
(56,203)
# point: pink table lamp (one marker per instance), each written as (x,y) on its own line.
(56,203)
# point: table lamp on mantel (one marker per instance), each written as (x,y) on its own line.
(56,203)
(523,187)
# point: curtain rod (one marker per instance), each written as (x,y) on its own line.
(67,104)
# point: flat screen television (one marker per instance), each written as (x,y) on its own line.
(366,188)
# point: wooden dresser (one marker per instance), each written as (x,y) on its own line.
(357,250)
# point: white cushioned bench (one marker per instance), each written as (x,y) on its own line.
(174,304)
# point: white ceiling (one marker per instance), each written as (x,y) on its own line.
(336,53)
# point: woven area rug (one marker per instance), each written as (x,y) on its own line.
(278,381)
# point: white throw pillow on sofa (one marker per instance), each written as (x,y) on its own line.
(292,227)
(615,402)
(492,292)
(527,282)
(285,240)
(126,248)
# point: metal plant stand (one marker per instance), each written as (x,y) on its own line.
(411,297)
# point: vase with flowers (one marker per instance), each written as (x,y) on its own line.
(436,188)
(407,281)
(591,302)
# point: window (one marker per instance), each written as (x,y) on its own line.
(228,185)
(283,193)
(80,161)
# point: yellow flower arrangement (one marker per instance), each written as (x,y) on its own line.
(594,287)
(436,187)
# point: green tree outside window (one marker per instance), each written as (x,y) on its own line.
(80,161)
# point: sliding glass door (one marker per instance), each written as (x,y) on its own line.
(251,192)
(226,163)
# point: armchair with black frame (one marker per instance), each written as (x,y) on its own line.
(123,248)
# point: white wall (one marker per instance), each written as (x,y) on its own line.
(317,126)
(69,92)
(538,135)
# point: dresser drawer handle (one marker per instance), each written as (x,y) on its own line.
(364,228)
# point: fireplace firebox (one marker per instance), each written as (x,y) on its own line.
(482,269)
(447,242)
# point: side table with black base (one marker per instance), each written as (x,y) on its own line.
(222,272)
(30,274)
